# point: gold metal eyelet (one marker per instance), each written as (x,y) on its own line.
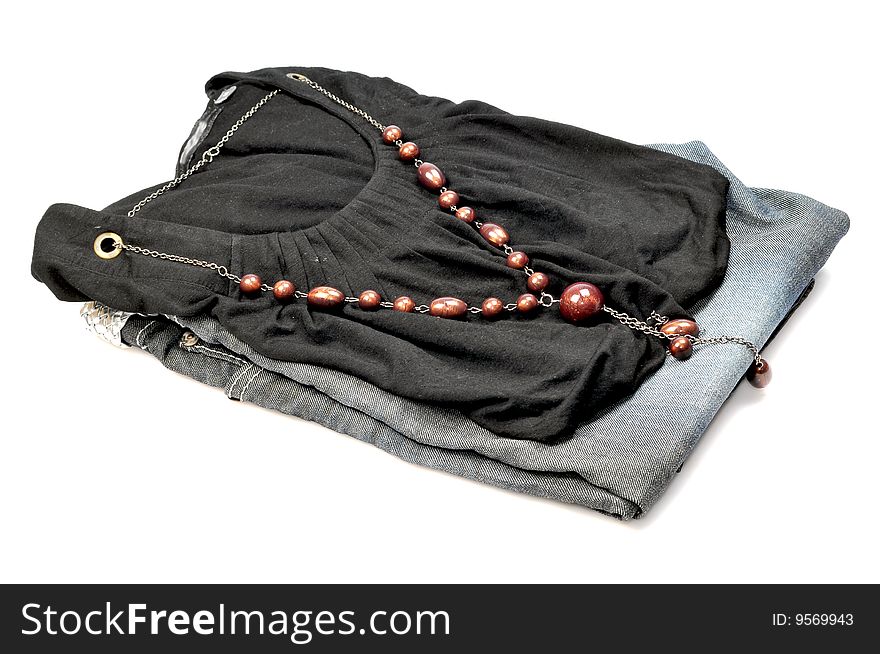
(108,245)
(298,77)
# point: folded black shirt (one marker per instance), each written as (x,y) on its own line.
(306,190)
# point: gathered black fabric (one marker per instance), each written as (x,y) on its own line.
(307,191)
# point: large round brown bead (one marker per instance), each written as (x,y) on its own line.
(431,177)
(369,300)
(408,151)
(492,306)
(517,260)
(391,134)
(680,327)
(681,348)
(283,290)
(537,282)
(448,307)
(404,304)
(325,297)
(250,284)
(466,214)
(495,234)
(448,199)
(526,303)
(579,301)
(759,374)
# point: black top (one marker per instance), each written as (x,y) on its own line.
(307,191)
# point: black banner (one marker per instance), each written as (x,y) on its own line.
(332,618)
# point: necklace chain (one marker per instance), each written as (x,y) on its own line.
(650,327)
(207,156)
(317,87)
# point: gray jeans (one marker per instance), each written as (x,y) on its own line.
(619,463)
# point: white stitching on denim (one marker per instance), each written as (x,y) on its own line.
(236,378)
(137,339)
(216,353)
(253,377)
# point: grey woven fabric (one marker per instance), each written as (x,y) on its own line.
(619,463)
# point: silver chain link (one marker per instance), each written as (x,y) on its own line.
(207,156)
(155,254)
(657,318)
(654,330)
(356,110)
(722,340)
(636,324)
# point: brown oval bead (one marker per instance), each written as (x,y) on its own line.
(408,151)
(448,307)
(526,303)
(283,290)
(759,375)
(680,327)
(492,306)
(466,214)
(391,134)
(325,296)
(495,234)
(431,177)
(681,348)
(448,199)
(404,304)
(579,301)
(250,283)
(537,282)
(369,300)
(517,259)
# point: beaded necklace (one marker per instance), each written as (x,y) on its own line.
(578,302)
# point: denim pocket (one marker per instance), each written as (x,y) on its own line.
(220,366)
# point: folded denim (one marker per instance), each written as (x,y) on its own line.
(619,463)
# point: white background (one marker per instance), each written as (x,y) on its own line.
(114,469)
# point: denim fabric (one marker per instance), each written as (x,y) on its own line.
(619,463)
